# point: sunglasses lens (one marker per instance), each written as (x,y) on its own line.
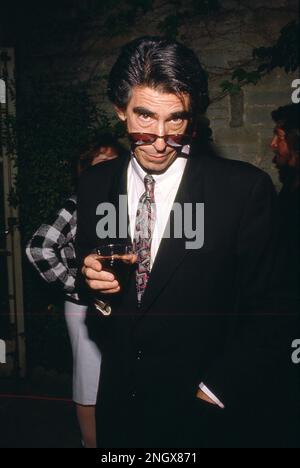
(177,140)
(142,138)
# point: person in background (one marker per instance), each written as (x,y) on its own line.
(51,251)
(285,145)
(105,148)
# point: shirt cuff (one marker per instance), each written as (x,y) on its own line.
(211,395)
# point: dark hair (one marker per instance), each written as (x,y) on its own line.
(84,160)
(287,118)
(104,140)
(160,64)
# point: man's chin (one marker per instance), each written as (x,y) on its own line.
(157,167)
(156,164)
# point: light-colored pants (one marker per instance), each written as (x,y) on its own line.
(86,356)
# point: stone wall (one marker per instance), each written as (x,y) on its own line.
(242,124)
(249,139)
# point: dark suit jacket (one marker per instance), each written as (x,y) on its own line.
(210,315)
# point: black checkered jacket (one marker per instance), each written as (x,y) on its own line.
(51,249)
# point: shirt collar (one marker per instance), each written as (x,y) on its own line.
(176,169)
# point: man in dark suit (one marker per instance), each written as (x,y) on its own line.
(194,348)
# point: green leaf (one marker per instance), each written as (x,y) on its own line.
(229,87)
(235,89)
(225,85)
(240,74)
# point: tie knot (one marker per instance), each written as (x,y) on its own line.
(149,185)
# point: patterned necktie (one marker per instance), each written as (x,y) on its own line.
(144,227)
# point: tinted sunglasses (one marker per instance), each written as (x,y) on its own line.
(175,141)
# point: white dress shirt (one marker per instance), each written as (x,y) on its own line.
(165,190)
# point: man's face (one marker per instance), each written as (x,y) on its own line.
(151,111)
(282,157)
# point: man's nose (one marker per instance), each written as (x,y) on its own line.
(160,144)
(274,143)
(160,130)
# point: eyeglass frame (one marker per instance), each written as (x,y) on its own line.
(164,137)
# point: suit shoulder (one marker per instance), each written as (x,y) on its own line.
(239,172)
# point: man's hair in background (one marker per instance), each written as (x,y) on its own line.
(161,64)
(287,118)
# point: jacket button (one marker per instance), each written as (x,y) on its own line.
(139,355)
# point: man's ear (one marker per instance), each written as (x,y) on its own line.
(121,113)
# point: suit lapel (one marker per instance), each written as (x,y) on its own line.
(172,251)
(118,188)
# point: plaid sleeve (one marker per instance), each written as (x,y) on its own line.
(51,249)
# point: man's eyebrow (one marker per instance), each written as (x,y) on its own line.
(144,111)
(174,115)
(180,115)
